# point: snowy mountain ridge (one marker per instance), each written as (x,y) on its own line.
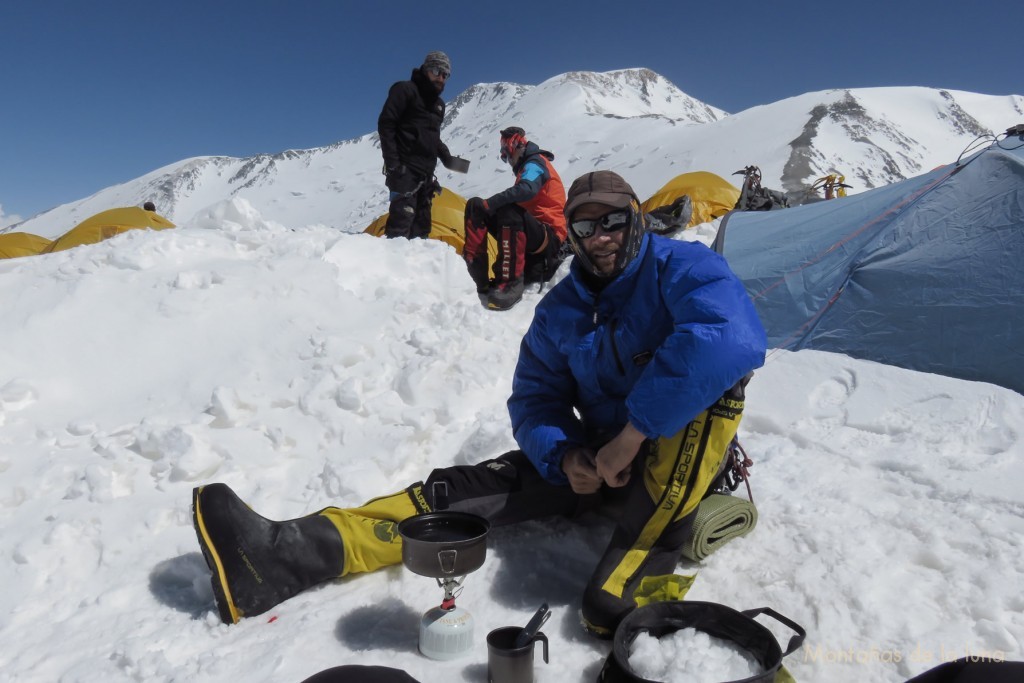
(633,121)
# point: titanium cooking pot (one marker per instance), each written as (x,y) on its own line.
(443,544)
(662,618)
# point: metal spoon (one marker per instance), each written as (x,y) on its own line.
(539,619)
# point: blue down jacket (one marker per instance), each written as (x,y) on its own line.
(658,345)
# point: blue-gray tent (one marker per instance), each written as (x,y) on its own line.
(926,274)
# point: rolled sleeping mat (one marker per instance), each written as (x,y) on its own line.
(720,519)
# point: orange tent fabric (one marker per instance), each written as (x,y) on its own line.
(106,224)
(712,195)
(447,223)
(15,244)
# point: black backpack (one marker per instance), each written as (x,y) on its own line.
(671,218)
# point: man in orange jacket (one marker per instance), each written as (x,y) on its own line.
(527,220)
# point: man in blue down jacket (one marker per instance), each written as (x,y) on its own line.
(629,388)
(651,341)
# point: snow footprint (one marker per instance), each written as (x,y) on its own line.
(194,279)
(829,398)
(229,409)
(349,395)
(17,394)
(178,454)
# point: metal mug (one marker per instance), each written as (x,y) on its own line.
(507,663)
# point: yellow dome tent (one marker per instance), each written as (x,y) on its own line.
(106,224)
(447,223)
(15,244)
(712,196)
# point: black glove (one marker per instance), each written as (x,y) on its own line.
(396,178)
(477,209)
(444,155)
(395,172)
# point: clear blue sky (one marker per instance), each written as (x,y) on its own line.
(94,93)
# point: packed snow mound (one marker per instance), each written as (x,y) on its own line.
(235,215)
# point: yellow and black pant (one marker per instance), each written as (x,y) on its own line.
(670,477)
(257,562)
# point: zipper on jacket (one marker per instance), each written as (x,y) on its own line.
(615,349)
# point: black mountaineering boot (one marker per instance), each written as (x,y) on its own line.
(505,296)
(258,563)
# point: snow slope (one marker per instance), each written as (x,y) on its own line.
(307,367)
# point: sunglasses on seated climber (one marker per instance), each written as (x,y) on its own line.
(438,71)
(610,222)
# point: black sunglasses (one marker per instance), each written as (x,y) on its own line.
(505,154)
(610,222)
(438,71)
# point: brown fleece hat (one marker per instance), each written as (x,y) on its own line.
(438,59)
(599,187)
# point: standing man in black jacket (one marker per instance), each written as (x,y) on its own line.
(410,140)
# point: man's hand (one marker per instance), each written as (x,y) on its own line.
(614,459)
(578,465)
(477,209)
(396,172)
(444,155)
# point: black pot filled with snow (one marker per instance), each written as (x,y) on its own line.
(445,546)
(688,641)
